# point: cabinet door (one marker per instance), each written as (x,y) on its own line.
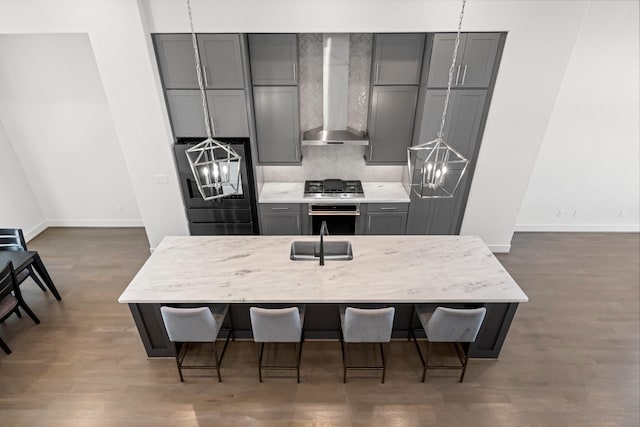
(391,123)
(444,216)
(280,219)
(228,110)
(398,59)
(185,113)
(429,116)
(277,127)
(176,61)
(386,223)
(221,61)
(274,59)
(480,52)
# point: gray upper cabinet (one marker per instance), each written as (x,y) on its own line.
(444,216)
(386,218)
(397,59)
(221,61)
(228,108)
(391,122)
(274,59)
(474,65)
(277,124)
(280,219)
(176,61)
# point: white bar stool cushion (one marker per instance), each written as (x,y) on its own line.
(277,324)
(366,324)
(200,324)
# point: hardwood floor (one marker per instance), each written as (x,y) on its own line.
(571,357)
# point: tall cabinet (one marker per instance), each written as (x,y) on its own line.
(472,85)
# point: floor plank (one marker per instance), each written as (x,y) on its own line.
(572,357)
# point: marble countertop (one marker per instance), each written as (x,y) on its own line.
(386,269)
(293,192)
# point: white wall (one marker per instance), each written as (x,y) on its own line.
(590,161)
(56,115)
(18,206)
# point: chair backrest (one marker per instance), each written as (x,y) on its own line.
(368,324)
(455,325)
(8,281)
(276,324)
(190,324)
(12,239)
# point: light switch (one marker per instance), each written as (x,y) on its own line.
(160,179)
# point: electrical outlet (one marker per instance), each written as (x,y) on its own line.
(160,179)
(561,213)
(576,213)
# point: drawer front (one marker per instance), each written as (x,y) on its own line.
(219,215)
(280,207)
(388,207)
(220,229)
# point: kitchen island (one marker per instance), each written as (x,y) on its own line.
(456,271)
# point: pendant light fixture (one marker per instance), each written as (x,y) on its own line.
(436,169)
(215,165)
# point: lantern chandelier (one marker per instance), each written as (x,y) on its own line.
(215,166)
(435,168)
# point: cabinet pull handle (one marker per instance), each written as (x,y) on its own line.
(464,74)
(377,71)
(297,153)
(279,209)
(371,153)
(369,223)
(204,73)
(388,209)
(295,75)
(457,76)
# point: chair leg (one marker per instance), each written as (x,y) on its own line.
(18,313)
(344,361)
(464,366)
(29,312)
(233,332)
(300,357)
(36,279)
(260,362)
(175,349)
(215,356)
(384,362)
(4,346)
(426,363)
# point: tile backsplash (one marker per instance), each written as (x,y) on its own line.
(321,162)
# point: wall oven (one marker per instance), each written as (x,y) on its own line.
(235,214)
(342,219)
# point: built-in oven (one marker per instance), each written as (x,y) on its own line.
(341,219)
(230,215)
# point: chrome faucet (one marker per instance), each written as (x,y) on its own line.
(323,232)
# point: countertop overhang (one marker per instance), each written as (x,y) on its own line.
(385,269)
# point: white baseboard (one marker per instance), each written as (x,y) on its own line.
(34,231)
(95,223)
(500,249)
(578,228)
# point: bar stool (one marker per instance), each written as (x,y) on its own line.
(361,325)
(278,325)
(448,325)
(196,325)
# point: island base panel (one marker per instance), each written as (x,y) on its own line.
(323,322)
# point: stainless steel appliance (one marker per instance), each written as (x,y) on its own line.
(233,215)
(333,188)
(341,219)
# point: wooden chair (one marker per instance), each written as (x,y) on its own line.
(12,239)
(11,299)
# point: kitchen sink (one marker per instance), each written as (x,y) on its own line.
(310,251)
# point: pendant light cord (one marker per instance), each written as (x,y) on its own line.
(203,94)
(453,66)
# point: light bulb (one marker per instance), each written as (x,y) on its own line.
(215,171)
(444,170)
(429,167)
(438,173)
(205,171)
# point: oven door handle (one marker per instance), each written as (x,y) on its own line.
(334,213)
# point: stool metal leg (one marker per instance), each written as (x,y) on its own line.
(260,362)
(425,361)
(384,362)
(215,356)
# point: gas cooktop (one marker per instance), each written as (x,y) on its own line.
(335,188)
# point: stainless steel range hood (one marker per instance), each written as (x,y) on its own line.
(335,97)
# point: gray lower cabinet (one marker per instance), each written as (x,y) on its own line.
(391,121)
(467,107)
(474,65)
(274,59)
(397,59)
(277,123)
(221,60)
(386,218)
(228,108)
(280,219)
